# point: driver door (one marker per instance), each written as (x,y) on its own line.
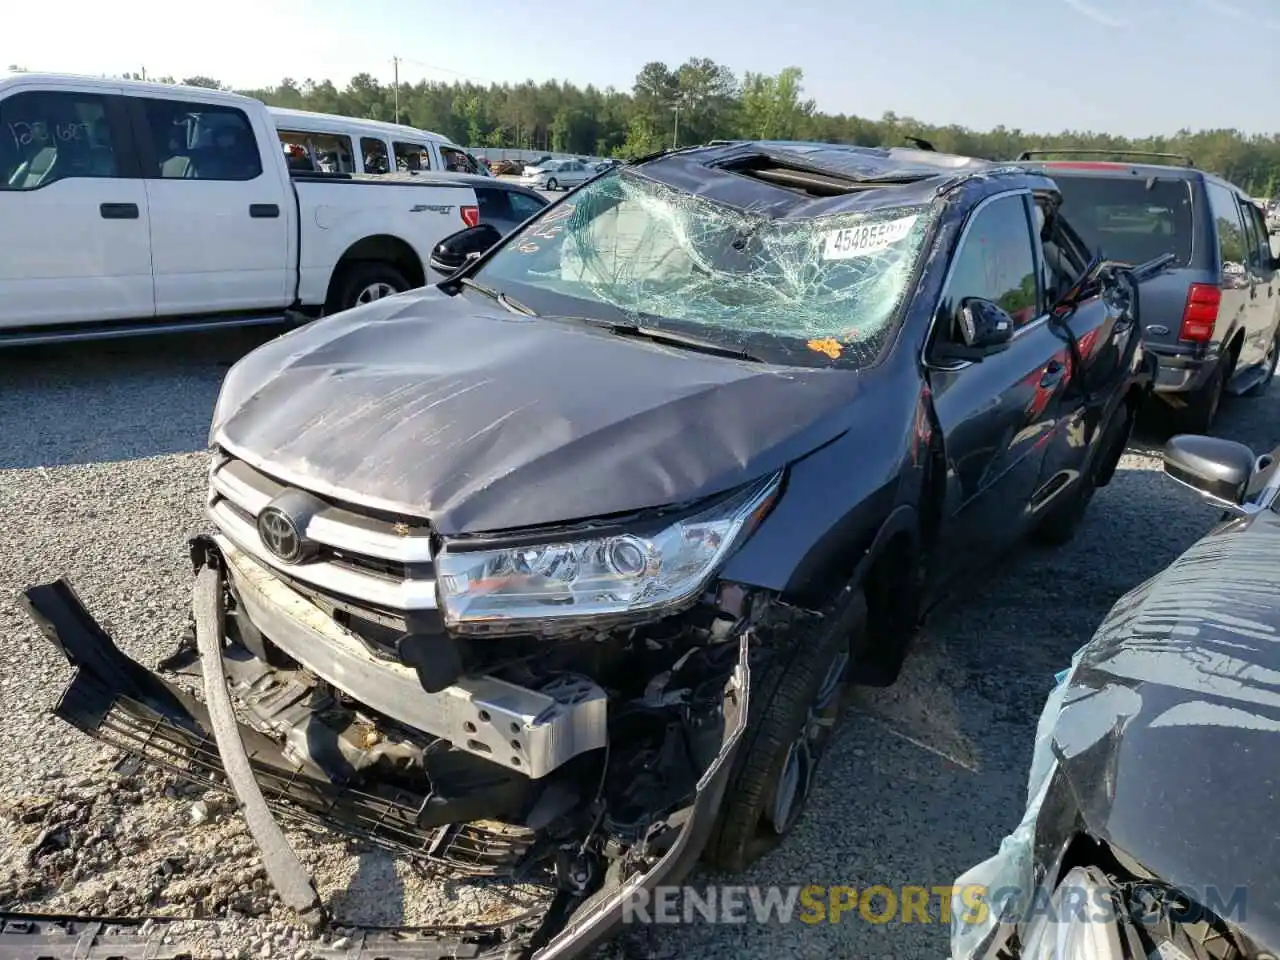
(995,413)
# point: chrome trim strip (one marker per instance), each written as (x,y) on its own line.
(374,590)
(334,527)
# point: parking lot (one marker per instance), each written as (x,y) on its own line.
(102,478)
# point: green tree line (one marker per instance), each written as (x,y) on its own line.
(702,100)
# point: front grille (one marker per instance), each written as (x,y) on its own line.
(379,562)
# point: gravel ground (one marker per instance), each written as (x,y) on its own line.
(102,475)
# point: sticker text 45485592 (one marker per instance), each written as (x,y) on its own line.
(866,238)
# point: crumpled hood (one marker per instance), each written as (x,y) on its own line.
(453,409)
(1170,728)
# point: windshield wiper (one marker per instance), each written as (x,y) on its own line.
(658,335)
(515,306)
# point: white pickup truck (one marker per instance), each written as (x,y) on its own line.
(131,208)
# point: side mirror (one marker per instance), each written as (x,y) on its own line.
(982,327)
(453,252)
(1219,470)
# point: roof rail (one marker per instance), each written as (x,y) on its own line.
(1181,158)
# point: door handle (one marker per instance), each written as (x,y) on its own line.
(264,211)
(118,211)
(1053,373)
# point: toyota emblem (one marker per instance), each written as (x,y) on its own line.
(280,534)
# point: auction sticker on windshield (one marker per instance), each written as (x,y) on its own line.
(866,238)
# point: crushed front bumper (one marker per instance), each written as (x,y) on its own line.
(119,702)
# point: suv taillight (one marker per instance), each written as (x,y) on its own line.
(1201,313)
(471,216)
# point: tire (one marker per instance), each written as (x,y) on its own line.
(553,184)
(1058,527)
(1260,389)
(796,703)
(1202,406)
(362,281)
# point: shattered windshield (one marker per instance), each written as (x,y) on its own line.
(625,247)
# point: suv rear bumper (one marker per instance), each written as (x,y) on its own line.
(1181,369)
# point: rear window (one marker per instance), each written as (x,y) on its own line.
(1131,219)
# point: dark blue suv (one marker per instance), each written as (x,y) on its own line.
(1212,317)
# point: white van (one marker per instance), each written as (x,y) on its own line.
(337,144)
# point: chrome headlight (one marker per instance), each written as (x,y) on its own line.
(605,576)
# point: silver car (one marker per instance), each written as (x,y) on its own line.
(556,175)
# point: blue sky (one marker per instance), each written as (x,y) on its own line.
(1131,67)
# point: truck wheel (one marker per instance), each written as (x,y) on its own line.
(367,281)
(1202,406)
(796,702)
(1063,519)
(1260,389)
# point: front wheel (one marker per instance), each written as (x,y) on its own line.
(552,184)
(795,706)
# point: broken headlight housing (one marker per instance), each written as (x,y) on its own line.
(521,585)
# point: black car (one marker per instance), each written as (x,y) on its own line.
(1150,829)
(1213,318)
(503,205)
(590,537)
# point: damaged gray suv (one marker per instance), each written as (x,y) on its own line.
(558,569)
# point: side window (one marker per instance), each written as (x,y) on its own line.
(493,205)
(1255,216)
(523,206)
(456,160)
(375,155)
(411,156)
(996,262)
(317,151)
(1253,254)
(1226,216)
(200,141)
(46,137)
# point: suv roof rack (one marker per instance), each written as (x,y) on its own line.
(1181,158)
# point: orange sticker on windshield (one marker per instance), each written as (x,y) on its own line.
(830,347)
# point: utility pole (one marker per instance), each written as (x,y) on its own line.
(395,63)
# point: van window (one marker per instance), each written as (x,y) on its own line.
(201,141)
(375,155)
(412,156)
(324,152)
(1127,219)
(47,136)
(456,161)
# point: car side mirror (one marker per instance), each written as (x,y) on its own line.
(1219,470)
(456,250)
(983,328)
